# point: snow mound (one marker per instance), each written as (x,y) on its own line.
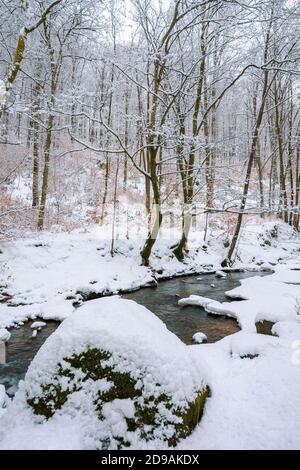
(38,324)
(287,329)
(199,337)
(218,308)
(221,274)
(197,300)
(249,345)
(114,371)
(4,335)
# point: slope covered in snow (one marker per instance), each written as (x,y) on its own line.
(46,275)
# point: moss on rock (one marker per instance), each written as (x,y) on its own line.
(153,414)
(264,327)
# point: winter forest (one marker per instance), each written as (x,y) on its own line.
(149,224)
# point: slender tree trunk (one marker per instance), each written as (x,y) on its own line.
(147,189)
(228,260)
(35,136)
(282,176)
(113,234)
(107,157)
(297,185)
(153,143)
(152,236)
(258,160)
(260,180)
(290,163)
(48,142)
(188,173)
(181,246)
(126,137)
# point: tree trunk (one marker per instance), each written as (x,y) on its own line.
(35,131)
(152,236)
(282,176)
(41,216)
(297,185)
(228,260)
(187,169)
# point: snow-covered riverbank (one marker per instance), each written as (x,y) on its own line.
(254,379)
(255,384)
(272,298)
(45,275)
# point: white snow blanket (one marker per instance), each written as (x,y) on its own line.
(43,275)
(255,402)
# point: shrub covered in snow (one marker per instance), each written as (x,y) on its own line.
(119,374)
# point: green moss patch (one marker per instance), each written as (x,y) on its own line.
(153,415)
(264,327)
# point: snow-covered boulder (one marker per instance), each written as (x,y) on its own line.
(264,327)
(114,372)
(4,335)
(221,274)
(251,345)
(200,337)
(37,325)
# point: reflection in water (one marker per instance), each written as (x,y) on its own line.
(162,300)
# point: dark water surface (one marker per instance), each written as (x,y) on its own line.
(161,300)
(20,350)
(186,321)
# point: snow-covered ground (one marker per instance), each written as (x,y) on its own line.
(255,401)
(43,276)
(254,379)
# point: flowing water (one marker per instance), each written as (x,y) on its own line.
(161,300)
(20,350)
(188,320)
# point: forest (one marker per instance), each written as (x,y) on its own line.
(145,143)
